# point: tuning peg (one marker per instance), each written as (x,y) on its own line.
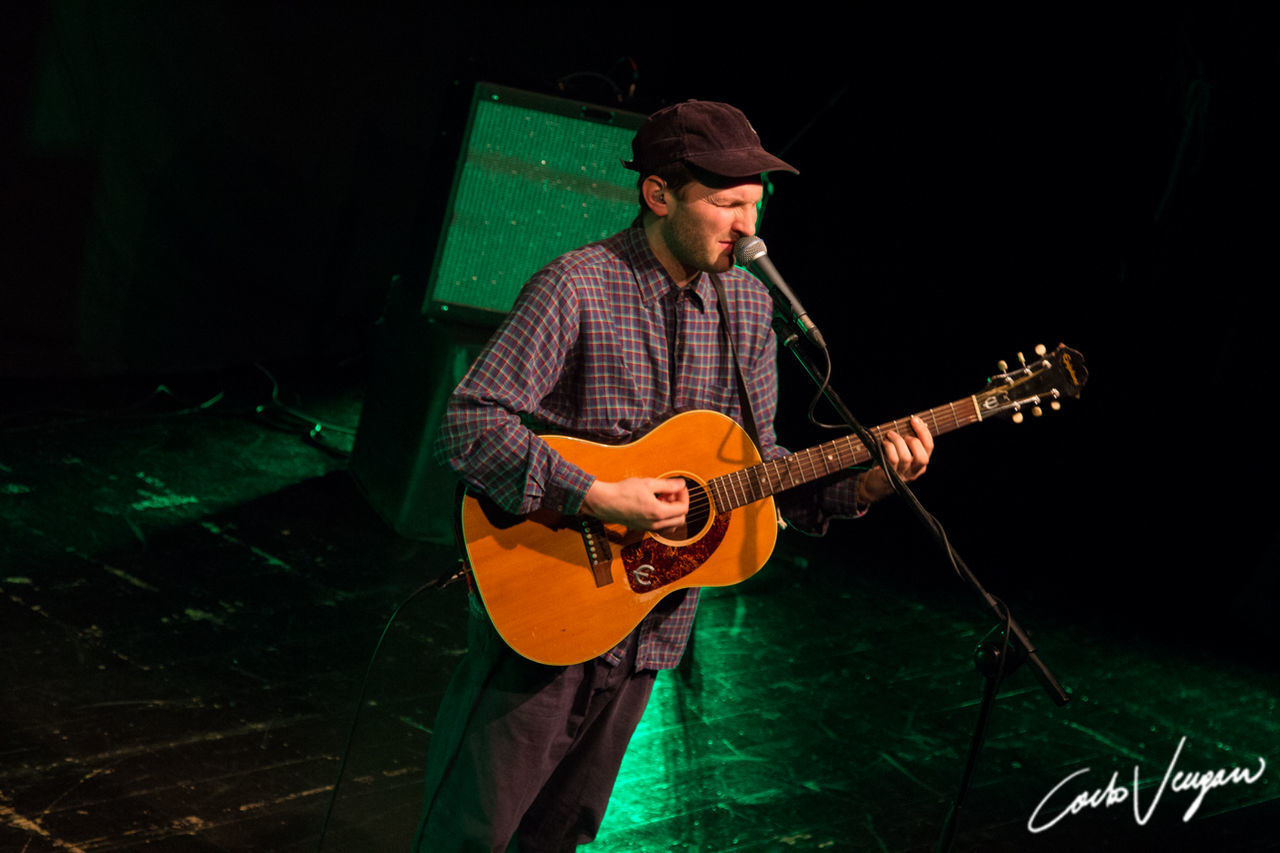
(1002,366)
(1022,359)
(1056,406)
(1036,411)
(1041,350)
(1017,417)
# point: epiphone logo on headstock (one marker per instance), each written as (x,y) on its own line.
(1066,362)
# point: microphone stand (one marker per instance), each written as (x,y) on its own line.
(1006,646)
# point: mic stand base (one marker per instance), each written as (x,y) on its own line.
(994,658)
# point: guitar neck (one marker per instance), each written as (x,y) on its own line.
(748,485)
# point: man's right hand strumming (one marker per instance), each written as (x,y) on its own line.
(641,503)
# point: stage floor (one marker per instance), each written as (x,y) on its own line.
(193,591)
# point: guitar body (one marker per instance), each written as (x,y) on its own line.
(562,590)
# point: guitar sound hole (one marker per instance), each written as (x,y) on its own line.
(696,520)
(699,507)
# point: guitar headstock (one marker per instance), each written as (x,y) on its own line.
(1034,383)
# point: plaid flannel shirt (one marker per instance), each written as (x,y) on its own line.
(602,344)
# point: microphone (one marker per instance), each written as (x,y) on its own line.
(752,251)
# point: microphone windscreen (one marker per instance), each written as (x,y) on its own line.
(748,249)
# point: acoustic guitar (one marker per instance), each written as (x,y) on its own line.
(564,589)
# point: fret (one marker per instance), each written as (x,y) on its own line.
(752,483)
(724,500)
(763,480)
(822,460)
(779,476)
(757,479)
(716,486)
(844,451)
(828,463)
(735,480)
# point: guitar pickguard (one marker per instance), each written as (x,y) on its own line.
(650,564)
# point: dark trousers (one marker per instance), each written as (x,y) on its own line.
(525,751)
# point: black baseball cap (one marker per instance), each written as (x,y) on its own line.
(710,135)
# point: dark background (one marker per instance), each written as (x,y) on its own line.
(190,189)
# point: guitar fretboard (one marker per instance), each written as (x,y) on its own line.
(748,485)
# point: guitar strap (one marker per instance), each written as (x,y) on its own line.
(744,402)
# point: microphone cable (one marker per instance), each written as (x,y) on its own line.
(436,583)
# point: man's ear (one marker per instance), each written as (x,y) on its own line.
(654,190)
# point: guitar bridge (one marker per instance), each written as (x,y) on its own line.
(599,552)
